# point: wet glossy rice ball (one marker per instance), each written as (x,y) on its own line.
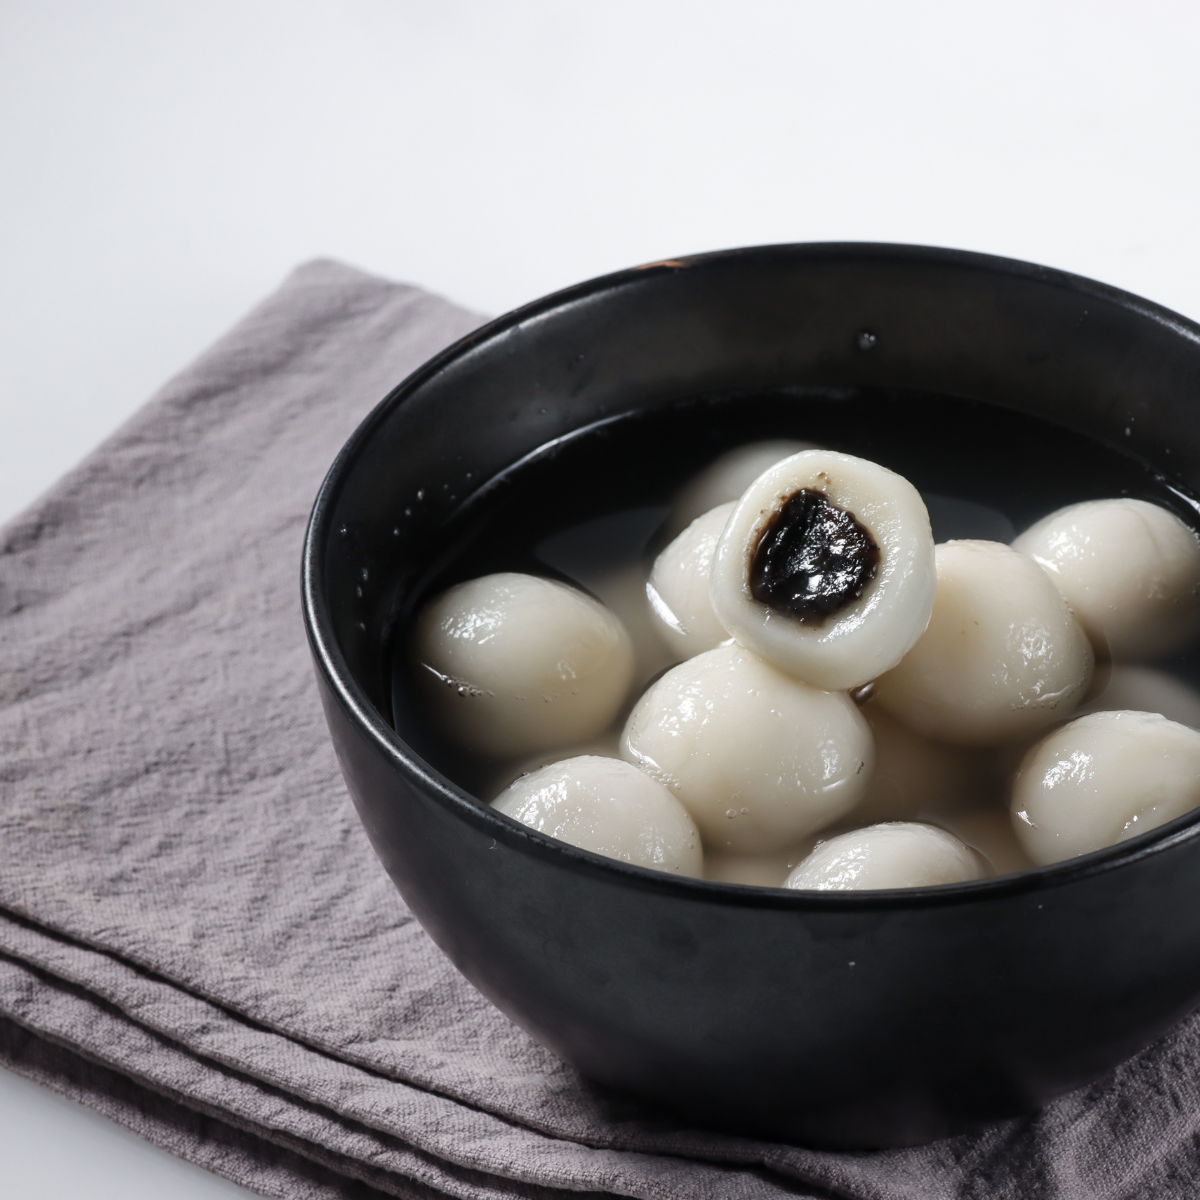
(679,583)
(513,664)
(609,807)
(1130,571)
(1002,656)
(759,758)
(826,568)
(897,854)
(1103,779)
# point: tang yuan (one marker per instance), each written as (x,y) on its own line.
(678,587)
(758,758)
(607,806)
(727,478)
(826,568)
(897,854)
(1130,571)
(514,664)
(1002,657)
(1102,779)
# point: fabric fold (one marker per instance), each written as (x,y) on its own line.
(195,936)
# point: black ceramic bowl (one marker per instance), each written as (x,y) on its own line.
(865,1019)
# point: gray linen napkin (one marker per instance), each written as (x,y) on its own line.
(195,937)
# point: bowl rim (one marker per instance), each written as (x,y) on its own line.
(332,664)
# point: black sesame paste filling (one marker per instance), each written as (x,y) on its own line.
(813,558)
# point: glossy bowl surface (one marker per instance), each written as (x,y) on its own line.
(869,1019)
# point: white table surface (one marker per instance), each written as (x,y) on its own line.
(163,164)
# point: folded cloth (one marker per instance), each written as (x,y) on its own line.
(195,937)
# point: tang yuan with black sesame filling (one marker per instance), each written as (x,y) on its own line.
(826,568)
(1102,779)
(607,806)
(514,664)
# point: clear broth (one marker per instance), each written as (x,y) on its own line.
(589,509)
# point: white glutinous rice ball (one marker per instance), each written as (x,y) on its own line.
(1102,779)
(514,664)
(897,854)
(678,587)
(826,568)
(1144,689)
(759,759)
(1130,571)
(1002,656)
(607,806)
(726,478)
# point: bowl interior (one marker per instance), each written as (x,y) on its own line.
(1003,391)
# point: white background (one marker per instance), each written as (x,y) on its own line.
(163,164)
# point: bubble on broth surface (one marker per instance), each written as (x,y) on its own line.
(1130,571)
(1002,656)
(513,664)
(826,568)
(1102,779)
(679,585)
(759,759)
(609,807)
(727,478)
(897,854)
